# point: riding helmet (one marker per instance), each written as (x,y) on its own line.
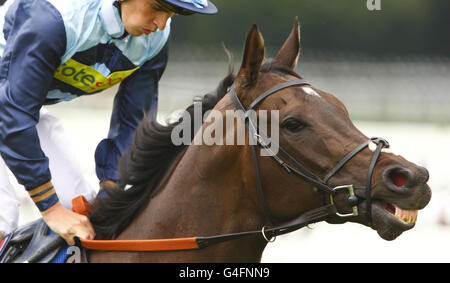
(189,7)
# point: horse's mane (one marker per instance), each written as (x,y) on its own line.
(148,160)
(143,165)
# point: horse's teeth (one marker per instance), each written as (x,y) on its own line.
(407,216)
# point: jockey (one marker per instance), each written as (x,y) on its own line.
(57,50)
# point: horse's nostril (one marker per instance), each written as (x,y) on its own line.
(399,180)
(398,177)
(406,177)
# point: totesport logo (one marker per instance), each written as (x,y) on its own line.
(87,78)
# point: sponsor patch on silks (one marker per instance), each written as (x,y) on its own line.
(87,78)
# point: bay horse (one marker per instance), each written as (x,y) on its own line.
(208,190)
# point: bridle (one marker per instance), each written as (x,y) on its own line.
(292,166)
(288,163)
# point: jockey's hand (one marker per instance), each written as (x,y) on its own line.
(68,224)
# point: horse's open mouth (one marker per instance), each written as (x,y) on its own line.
(404,215)
(390,221)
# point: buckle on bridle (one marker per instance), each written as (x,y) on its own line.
(351,199)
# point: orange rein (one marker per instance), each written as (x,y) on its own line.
(141,245)
(81,206)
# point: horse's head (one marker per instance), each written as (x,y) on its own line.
(316,131)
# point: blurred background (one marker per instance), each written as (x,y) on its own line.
(390,67)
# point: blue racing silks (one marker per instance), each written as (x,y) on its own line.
(54,51)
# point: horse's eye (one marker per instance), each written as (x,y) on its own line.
(292,125)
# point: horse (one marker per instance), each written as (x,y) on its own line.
(190,190)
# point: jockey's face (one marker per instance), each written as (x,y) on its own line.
(144,16)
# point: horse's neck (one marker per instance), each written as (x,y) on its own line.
(205,195)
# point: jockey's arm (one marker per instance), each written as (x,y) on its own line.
(31,56)
(137,96)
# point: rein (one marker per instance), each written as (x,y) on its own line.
(194,243)
(291,166)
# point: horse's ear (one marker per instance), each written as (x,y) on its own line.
(253,57)
(290,51)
